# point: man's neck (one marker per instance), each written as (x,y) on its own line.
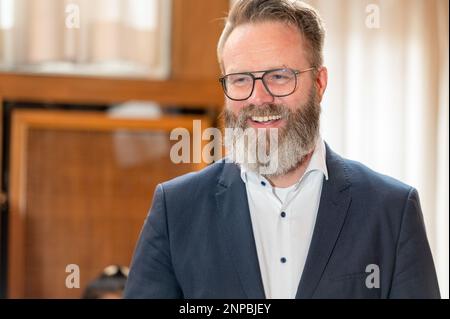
(293,176)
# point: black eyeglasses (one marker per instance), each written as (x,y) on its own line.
(278,82)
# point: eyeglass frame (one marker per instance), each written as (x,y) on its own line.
(255,78)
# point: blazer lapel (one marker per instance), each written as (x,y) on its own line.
(334,203)
(237,231)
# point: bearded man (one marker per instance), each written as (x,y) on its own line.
(282,216)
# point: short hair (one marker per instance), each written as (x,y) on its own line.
(296,13)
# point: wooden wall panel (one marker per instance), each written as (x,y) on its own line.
(80,193)
(78,90)
(197,25)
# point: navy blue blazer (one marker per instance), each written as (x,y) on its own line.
(197,241)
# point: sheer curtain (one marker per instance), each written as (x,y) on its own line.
(86,36)
(387,101)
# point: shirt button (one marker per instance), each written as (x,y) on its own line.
(263,183)
(283,214)
(283,260)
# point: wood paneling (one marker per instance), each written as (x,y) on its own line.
(197,25)
(81,186)
(195,93)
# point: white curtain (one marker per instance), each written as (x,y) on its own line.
(387,101)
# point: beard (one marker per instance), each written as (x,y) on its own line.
(272,152)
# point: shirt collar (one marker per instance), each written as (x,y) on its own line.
(317,163)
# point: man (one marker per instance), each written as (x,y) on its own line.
(313,225)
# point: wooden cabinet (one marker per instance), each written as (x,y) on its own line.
(81,186)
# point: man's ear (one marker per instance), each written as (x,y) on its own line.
(321,82)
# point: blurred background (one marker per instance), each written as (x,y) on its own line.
(91,90)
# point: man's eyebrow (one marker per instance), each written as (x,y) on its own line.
(232,71)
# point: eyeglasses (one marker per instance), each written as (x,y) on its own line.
(278,82)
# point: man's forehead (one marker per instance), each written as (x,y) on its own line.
(263,33)
(262,45)
(238,61)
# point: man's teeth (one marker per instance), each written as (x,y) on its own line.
(262,119)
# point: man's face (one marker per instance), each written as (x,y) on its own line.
(267,46)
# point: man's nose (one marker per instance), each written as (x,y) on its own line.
(260,94)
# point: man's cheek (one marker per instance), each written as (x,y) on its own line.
(234,106)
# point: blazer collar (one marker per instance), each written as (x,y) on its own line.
(334,203)
(237,231)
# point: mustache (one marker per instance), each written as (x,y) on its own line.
(240,120)
(264,110)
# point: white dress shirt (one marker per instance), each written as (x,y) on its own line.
(283,222)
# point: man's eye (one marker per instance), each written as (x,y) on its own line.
(278,77)
(240,80)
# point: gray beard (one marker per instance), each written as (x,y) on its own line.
(272,152)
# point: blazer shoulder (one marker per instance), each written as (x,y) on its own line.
(205,178)
(367,180)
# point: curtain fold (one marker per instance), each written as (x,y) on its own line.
(442,163)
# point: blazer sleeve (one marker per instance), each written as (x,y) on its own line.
(414,275)
(151,272)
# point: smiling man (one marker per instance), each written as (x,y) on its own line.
(317,225)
